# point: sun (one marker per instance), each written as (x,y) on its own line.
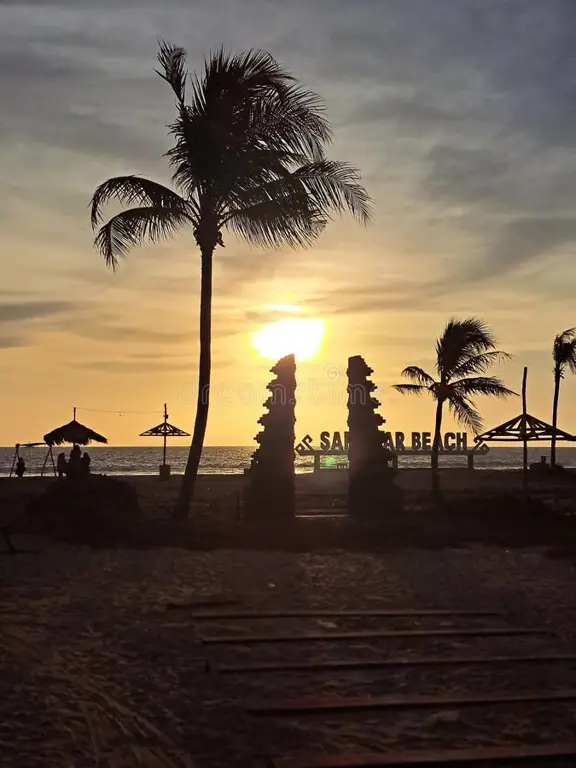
(298,336)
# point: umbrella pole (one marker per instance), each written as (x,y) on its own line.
(15,459)
(165,422)
(53,462)
(524,436)
(46,461)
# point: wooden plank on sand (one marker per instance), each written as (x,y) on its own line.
(416,661)
(309,706)
(338,614)
(203,603)
(370,634)
(458,757)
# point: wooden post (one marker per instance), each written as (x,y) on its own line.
(524,437)
(53,462)
(15,459)
(470,457)
(46,460)
(74,413)
(165,422)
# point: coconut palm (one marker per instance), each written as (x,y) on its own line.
(564,355)
(465,350)
(248,157)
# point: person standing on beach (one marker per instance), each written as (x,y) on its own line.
(20,467)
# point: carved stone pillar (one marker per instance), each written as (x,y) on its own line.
(271,492)
(371,488)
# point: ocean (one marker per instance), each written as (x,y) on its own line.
(232,460)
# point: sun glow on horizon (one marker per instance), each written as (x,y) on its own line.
(301,337)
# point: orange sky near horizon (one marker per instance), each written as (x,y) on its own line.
(462,143)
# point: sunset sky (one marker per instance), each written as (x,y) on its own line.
(461,115)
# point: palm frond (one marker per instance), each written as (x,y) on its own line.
(292,118)
(571,356)
(294,207)
(137,226)
(410,389)
(418,375)
(139,192)
(482,385)
(479,363)
(335,186)
(465,413)
(172,60)
(278,221)
(247,115)
(564,350)
(461,340)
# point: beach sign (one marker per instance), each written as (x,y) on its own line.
(336,443)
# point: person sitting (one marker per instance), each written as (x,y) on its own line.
(20,467)
(61,464)
(85,464)
(75,463)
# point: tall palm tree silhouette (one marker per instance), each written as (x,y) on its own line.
(465,350)
(248,156)
(564,355)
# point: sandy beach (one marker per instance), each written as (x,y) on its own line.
(99,665)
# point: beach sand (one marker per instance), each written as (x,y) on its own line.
(97,670)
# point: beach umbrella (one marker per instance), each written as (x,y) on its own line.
(165,430)
(75,433)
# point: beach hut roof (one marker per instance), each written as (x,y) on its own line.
(513,431)
(74,433)
(165,430)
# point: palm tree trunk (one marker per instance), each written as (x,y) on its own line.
(191,472)
(557,378)
(436,446)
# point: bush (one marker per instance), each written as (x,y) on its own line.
(95,511)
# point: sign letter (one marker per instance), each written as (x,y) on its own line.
(426,441)
(400,447)
(461,441)
(416,441)
(337,442)
(325,441)
(449,438)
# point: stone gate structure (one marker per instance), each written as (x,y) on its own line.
(270,493)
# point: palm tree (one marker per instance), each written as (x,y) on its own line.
(463,352)
(248,156)
(564,355)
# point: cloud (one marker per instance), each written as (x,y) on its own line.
(145,364)
(119,333)
(362,299)
(522,241)
(466,138)
(465,175)
(30,310)
(121,367)
(11,342)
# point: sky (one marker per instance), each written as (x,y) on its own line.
(461,115)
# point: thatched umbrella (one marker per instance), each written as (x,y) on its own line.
(74,433)
(164,430)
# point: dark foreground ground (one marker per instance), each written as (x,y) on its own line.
(99,668)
